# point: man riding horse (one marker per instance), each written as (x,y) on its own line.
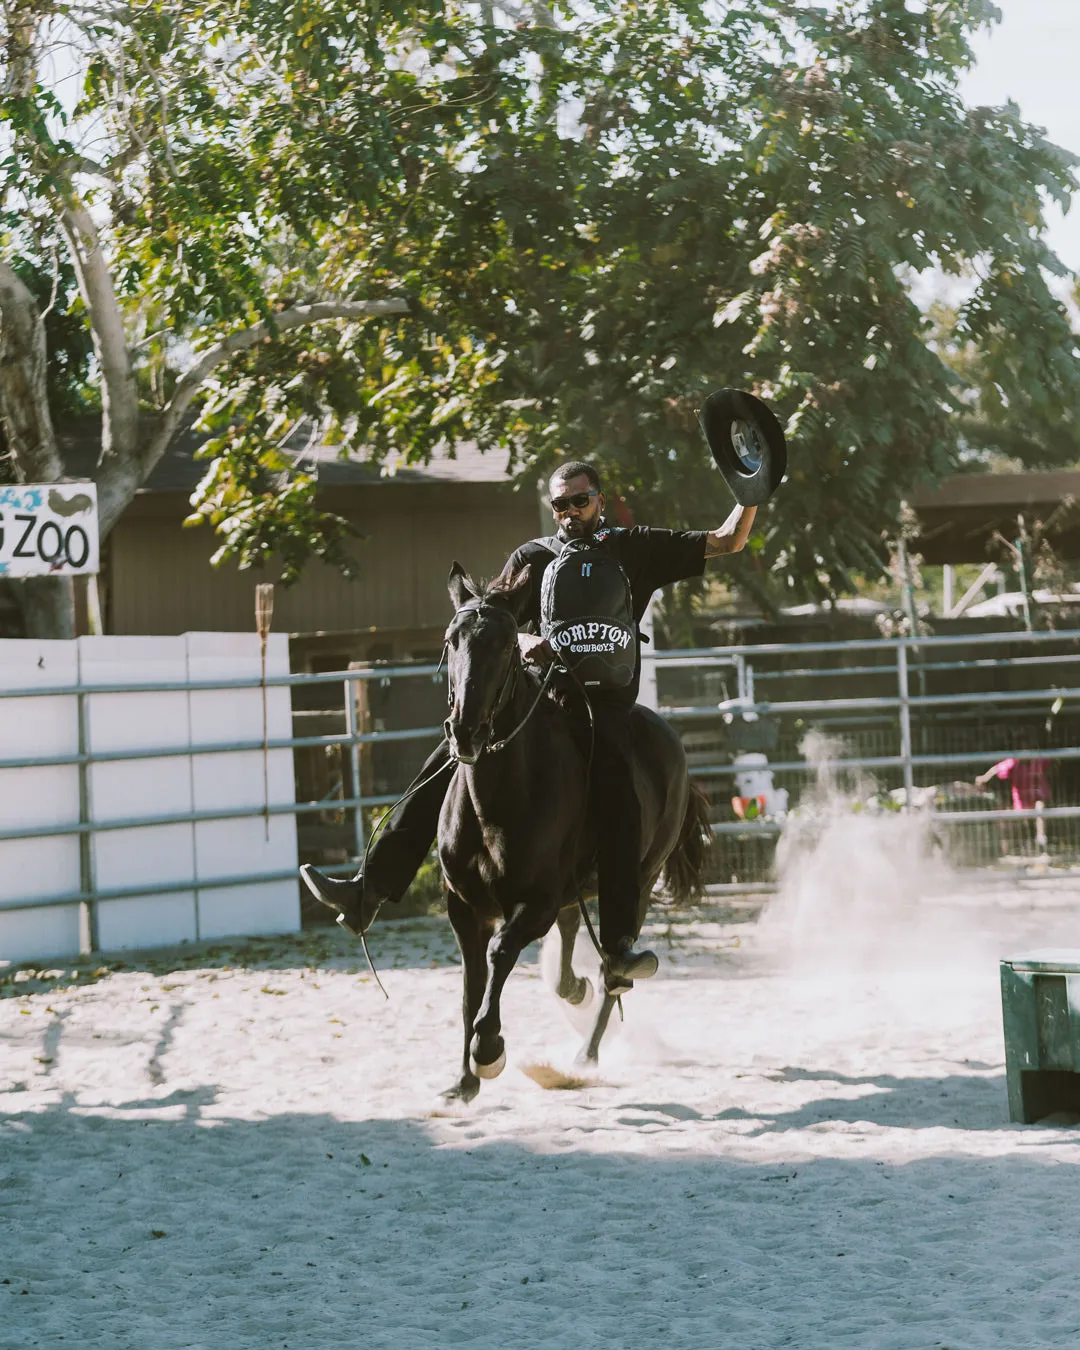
(650,559)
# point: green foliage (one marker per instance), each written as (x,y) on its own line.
(1018,405)
(745,206)
(69,345)
(596,221)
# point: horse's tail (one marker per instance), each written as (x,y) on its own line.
(684,871)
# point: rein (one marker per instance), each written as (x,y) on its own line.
(367,848)
(501,745)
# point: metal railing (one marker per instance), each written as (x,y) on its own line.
(903,702)
(85,827)
(909,666)
(894,693)
(908,703)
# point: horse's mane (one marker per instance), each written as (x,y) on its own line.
(496,588)
(500,589)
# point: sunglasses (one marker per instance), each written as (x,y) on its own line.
(580,500)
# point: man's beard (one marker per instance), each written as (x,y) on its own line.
(576,528)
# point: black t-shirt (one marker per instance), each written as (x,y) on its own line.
(650,558)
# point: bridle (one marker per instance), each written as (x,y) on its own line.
(505,689)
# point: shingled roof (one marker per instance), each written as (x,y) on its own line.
(179,472)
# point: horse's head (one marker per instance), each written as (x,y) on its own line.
(481,656)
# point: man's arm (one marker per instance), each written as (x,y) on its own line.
(731,537)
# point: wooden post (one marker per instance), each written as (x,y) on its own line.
(264,614)
(358,722)
(1022,570)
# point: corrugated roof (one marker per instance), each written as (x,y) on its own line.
(1017,491)
(960,519)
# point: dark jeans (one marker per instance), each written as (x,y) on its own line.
(616,819)
(403,842)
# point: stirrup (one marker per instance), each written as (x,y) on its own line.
(627,965)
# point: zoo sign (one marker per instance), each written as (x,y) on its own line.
(48,529)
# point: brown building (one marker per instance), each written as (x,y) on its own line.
(156,575)
(961,517)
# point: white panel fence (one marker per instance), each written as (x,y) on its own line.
(133,800)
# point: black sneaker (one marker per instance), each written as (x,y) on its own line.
(624,965)
(354,904)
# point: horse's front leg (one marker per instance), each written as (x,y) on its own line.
(487,1050)
(575,989)
(473,935)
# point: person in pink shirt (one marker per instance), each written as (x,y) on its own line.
(1028,779)
(1029,786)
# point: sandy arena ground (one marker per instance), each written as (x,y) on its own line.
(245,1147)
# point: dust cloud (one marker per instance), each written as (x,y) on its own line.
(861,888)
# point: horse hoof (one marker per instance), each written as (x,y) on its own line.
(587,1059)
(491,1070)
(463,1091)
(583,995)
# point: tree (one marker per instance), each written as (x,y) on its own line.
(208,189)
(1017,409)
(747,204)
(586,219)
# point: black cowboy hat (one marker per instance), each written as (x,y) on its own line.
(747,443)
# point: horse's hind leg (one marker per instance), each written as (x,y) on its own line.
(473,935)
(488,1050)
(575,989)
(589,1054)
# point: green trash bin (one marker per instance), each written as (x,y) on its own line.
(1040,1008)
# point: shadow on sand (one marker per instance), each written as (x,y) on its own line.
(160,1223)
(398,944)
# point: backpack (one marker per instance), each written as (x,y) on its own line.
(587,613)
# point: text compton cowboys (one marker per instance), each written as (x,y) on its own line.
(593,637)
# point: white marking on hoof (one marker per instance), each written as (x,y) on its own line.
(491,1070)
(588,995)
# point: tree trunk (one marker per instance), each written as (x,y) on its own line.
(49,607)
(48,603)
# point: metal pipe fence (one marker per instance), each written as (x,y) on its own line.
(908,716)
(85,828)
(895,735)
(970,710)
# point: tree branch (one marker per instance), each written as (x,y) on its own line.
(118,479)
(119,398)
(119,395)
(163,101)
(111,170)
(19,38)
(24,400)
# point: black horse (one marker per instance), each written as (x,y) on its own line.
(514,838)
